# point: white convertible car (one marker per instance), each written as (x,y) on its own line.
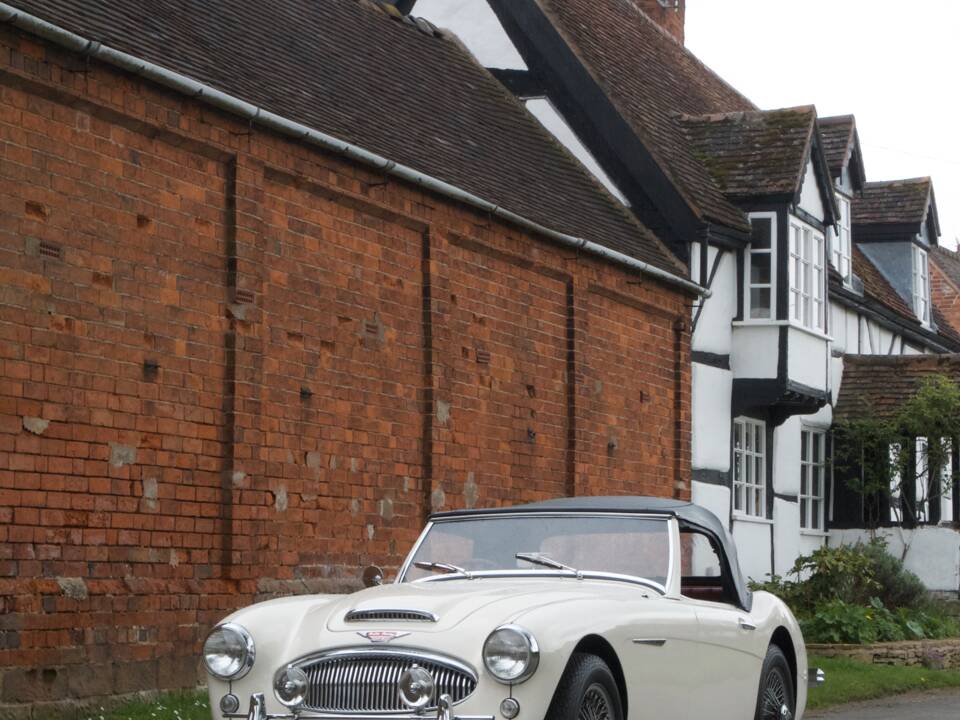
(573,609)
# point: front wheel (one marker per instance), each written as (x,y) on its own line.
(775,700)
(587,691)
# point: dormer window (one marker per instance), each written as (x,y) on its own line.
(840,257)
(921,285)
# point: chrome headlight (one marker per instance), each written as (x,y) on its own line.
(228,652)
(511,654)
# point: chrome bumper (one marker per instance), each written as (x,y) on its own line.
(258,711)
(816,677)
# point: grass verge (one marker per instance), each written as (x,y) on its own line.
(850,681)
(182,705)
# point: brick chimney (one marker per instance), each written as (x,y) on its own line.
(669,14)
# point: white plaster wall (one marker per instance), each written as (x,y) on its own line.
(810,199)
(714,498)
(478,28)
(807,358)
(786,534)
(786,458)
(886,338)
(544,111)
(934,552)
(753,548)
(838,327)
(713,332)
(755,351)
(710,442)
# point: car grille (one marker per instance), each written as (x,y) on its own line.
(366,681)
(390,615)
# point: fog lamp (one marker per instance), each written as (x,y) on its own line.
(229,704)
(509,708)
(290,686)
(416,687)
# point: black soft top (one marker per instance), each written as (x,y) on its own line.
(687,514)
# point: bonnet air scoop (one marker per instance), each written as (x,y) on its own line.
(390,615)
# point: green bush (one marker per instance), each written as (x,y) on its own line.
(898,587)
(859,594)
(839,622)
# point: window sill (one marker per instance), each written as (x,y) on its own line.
(737,517)
(814,533)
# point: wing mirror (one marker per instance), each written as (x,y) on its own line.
(372,575)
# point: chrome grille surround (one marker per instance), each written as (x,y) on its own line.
(390,615)
(364,681)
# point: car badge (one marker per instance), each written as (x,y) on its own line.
(382,636)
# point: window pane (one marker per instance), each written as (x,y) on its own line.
(815,519)
(803,513)
(762,232)
(804,445)
(760,302)
(760,269)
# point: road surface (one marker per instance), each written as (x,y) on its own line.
(935,705)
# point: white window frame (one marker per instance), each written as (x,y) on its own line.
(841,256)
(921,284)
(808,274)
(749,468)
(809,498)
(748,272)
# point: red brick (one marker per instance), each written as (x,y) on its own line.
(337,282)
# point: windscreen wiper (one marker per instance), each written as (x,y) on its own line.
(443,567)
(538,559)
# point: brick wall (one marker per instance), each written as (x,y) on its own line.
(945,293)
(233,367)
(670,18)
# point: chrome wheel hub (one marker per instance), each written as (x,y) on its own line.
(774,696)
(595,704)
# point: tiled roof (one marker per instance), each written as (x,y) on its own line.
(753,153)
(948,261)
(896,202)
(651,78)
(346,68)
(838,135)
(944,326)
(875,386)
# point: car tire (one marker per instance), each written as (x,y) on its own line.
(776,688)
(587,691)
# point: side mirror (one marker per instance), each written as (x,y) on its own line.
(372,575)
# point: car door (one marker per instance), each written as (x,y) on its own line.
(728,655)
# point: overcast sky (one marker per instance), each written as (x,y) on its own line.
(895,64)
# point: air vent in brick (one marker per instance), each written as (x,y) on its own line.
(50,250)
(243,296)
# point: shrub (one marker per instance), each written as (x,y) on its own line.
(839,622)
(898,587)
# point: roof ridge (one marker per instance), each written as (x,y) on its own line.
(901,181)
(733,114)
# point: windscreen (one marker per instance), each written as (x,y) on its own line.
(623,545)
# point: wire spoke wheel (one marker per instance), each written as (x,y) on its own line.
(775,698)
(595,704)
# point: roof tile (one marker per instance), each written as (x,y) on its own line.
(875,386)
(894,202)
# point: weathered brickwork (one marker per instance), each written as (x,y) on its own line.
(232,366)
(945,294)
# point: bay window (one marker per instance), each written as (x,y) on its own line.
(921,285)
(749,468)
(807,277)
(813,444)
